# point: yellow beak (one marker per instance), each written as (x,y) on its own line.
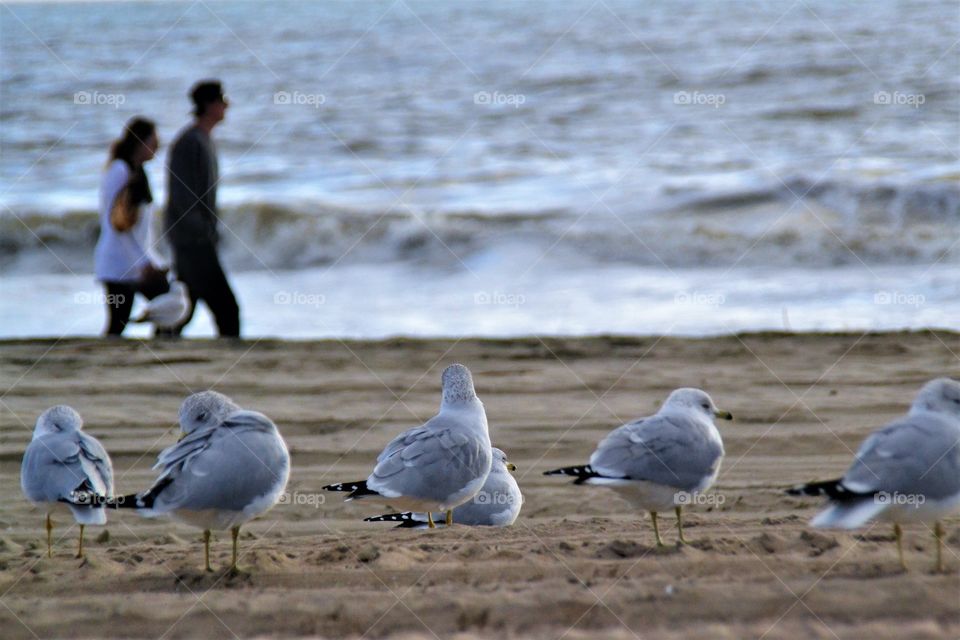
(511,466)
(726,415)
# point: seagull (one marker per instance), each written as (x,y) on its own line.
(661,461)
(62,462)
(439,465)
(230,466)
(907,471)
(168,310)
(496,505)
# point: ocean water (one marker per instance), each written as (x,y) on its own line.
(504,168)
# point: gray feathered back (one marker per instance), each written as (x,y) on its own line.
(916,454)
(668,449)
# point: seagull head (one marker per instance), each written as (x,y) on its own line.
(500,462)
(696,400)
(205,409)
(941,395)
(58,419)
(457,385)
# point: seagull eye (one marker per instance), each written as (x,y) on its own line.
(705,406)
(202,415)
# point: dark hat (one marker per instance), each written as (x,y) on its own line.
(206,92)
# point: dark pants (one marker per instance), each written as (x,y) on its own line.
(120,300)
(198,267)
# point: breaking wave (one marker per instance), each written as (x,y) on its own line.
(800,223)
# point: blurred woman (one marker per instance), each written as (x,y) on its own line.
(123,261)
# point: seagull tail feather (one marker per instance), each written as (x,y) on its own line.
(582,473)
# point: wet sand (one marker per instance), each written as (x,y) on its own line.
(577,564)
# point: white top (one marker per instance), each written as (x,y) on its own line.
(120,256)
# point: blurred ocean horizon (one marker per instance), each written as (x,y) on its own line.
(432,168)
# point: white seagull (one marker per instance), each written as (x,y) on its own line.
(63,467)
(168,310)
(230,466)
(908,471)
(497,504)
(662,461)
(437,466)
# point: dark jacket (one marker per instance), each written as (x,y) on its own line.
(192,175)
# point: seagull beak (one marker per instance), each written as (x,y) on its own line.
(511,466)
(726,415)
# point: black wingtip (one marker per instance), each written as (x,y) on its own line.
(410,524)
(407,520)
(357,489)
(132,501)
(833,489)
(579,471)
(390,517)
(142,500)
(345,486)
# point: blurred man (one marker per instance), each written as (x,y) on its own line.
(191,216)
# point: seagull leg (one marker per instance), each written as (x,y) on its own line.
(80,547)
(656,529)
(680,525)
(206,550)
(938,534)
(898,532)
(430,520)
(49,537)
(236,534)
(449,517)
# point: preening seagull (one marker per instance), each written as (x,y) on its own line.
(230,466)
(907,471)
(661,461)
(439,465)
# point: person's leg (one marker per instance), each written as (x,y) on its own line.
(199,268)
(219,297)
(153,286)
(119,297)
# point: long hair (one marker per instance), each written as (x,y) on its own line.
(137,190)
(137,131)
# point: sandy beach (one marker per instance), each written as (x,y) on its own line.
(577,564)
